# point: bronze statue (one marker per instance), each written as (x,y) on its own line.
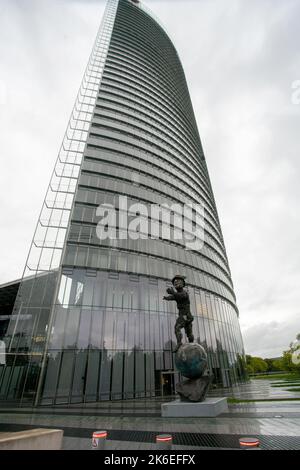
(185,318)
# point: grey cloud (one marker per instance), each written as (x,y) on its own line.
(260,340)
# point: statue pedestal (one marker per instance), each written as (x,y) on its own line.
(210,407)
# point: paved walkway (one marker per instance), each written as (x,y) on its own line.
(134,424)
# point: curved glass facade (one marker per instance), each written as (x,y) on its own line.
(108,333)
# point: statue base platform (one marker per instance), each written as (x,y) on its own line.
(210,407)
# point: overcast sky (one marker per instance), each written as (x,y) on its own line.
(241,60)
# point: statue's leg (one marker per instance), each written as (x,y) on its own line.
(189,332)
(178,334)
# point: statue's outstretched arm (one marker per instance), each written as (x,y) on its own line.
(169,297)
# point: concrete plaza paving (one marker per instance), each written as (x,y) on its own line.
(133,424)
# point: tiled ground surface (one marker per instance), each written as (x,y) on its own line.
(265,419)
(259,389)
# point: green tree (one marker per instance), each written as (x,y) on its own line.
(258,364)
(291,357)
(255,364)
(287,360)
(270,364)
(274,364)
(277,364)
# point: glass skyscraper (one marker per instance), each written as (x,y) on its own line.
(89,322)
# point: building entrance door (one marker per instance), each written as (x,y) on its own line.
(168,382)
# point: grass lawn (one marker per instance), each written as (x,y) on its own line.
(287,376)
(286,384)
(287,381)
(236,400)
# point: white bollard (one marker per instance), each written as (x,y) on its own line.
(164,441)
(99,440)
(249,442)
